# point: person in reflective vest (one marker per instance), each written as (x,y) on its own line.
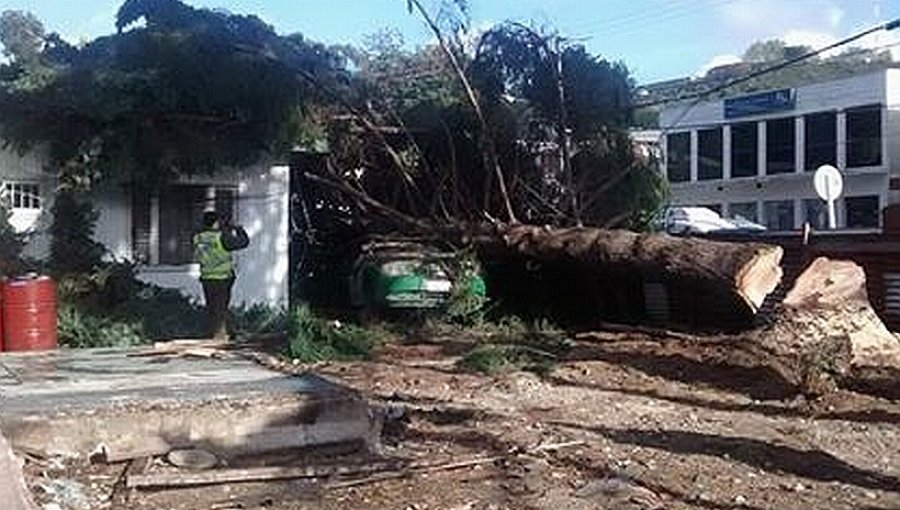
(216,273)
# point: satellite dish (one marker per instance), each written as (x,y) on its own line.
(829,184)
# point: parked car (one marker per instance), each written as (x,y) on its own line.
(702,220)
(402,275)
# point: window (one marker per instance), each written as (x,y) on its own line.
(815,212)
(678,157)
(780,146)
(864,136)
(820,140)
(22,195)
(745,210)
(862,212)
(779,214)
(716,208)
(178,211)
(744,149)
(709,154)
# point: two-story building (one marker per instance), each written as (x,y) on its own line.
(754,155)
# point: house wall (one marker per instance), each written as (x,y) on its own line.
(262,209)
(880,87)
(29,168)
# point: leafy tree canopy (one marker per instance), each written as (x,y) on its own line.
(177,90)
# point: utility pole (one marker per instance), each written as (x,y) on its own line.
(564,135)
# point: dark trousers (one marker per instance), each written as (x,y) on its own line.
(217,294)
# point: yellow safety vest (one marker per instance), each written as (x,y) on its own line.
(215,261)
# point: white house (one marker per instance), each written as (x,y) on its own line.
(156,228)
(753,155)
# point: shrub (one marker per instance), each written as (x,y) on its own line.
(257,320)
(72,246)
(313,339)
(78,329)
(111,298)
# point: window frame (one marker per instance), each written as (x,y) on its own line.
(737,171)
(669,159)
(710,172)
(847,216)
(147,239)
(791,161)
(822,212)
(856,143)
(810,164)
(793,214)
(755,205)
(11,190)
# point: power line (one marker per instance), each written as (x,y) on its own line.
(673,11)
(891,25)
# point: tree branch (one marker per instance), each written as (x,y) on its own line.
(491,157)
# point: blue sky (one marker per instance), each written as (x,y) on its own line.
(657,39)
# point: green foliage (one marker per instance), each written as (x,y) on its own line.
(110,300)
(79,329)
(493,359)
(187,91)
(312,339)
(72,247)
(256,320)
(468,297)
(514,345)
(22,36)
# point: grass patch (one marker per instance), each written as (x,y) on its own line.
(312,339)
(512,345)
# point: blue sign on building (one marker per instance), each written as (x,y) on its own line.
(756,104)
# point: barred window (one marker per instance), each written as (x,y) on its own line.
(22,195)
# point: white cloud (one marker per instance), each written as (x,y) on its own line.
(811,38)
(835,15)
(716,61)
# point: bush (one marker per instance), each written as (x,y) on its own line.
(81,330)
(110,299)
(72,246)
(312,339)
(257,320)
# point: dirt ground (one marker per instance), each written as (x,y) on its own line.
(661,424)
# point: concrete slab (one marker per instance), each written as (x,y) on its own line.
(72,402)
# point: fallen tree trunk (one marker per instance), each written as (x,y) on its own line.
(749,271)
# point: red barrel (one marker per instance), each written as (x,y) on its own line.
(29,314)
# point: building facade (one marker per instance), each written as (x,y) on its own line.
(155,228)
(753,156)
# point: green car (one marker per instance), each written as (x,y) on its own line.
(412,276)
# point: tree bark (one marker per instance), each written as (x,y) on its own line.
(750,271)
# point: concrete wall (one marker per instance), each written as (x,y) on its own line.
(880,87)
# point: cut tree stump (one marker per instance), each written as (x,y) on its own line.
(750,271)
(826,333)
